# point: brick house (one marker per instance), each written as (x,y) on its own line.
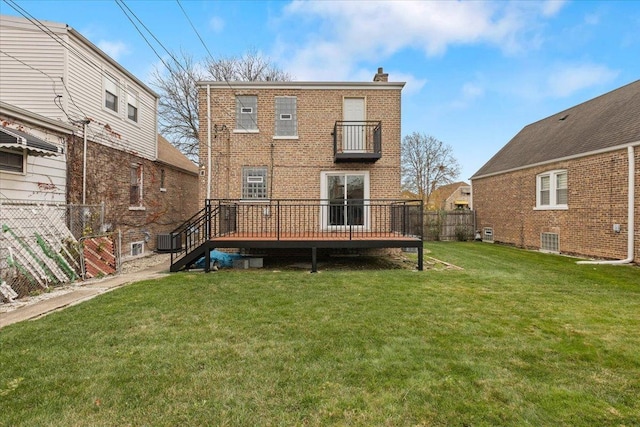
(326,153)
(114,157)
(568,183)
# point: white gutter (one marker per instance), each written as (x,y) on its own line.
(630,214)
(208,141)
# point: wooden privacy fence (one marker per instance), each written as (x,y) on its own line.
(449,225)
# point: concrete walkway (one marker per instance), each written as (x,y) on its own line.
(85,291)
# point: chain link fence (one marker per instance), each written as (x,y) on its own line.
(39,245)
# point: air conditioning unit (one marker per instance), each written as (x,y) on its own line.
(164,243)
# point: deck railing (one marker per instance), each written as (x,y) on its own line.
(357,138)
(316,218)
(297,220)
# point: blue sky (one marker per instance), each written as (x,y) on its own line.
(476,71)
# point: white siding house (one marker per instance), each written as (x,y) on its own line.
(33,164)
(54,71)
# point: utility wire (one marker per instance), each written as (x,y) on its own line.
(65,44)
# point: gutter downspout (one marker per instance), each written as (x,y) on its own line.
(208,141)
(630,215)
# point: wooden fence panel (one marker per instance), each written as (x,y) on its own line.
(449,225)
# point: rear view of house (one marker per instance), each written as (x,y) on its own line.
(303,164)
(568,183)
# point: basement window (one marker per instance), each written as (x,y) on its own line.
(137,248)
(550,242)
(487,234)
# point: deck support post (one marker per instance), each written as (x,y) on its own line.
(314,259)
(420,260)
(207,258)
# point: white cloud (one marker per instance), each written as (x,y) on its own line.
(216,24)
(552,7)
(115,49)
(469,92)
(352,32)
(566,80)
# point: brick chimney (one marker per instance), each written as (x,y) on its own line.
(381,76)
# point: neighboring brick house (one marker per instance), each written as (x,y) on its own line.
(302,165)
(450,197)
(51,70)
(568,183)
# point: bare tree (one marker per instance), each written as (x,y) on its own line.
(176,85)
(427,163)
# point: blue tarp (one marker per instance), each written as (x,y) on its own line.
(223,259)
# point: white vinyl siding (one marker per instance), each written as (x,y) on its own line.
(286,120)
(551,190)
(31,76)
(82,69)
(44,180)
(121,133)
(246,113)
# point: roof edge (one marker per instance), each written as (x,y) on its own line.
(301,85)
(559,159)
(37,119)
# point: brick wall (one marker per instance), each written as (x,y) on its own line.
(597,199)
(108,182)
(294,165)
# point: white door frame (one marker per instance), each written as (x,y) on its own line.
(324,196)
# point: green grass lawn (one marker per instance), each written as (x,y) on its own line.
(514,338)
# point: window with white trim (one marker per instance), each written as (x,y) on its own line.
(111,92)
(12,161)
(551,190)
(136,185)
(254,183)
(137,248)
(246,113)
(286,117)
(132,105)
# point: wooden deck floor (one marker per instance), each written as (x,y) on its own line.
(320,236)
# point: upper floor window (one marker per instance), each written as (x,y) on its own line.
(12,161)
(286,116)
(111,93)
(132,105)
(254,183)
(551,190)
(246,113)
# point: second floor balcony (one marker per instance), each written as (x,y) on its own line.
(357,141)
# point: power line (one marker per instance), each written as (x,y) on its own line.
(69,47)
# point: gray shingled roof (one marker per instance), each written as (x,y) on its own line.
(610,120)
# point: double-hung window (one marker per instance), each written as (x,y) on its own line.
(551,190)
(132,105)
(247,113)
(286,117)
(254,183)
(111,93)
